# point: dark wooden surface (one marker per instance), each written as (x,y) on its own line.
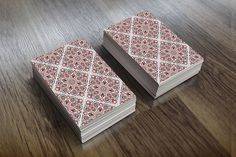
(198,118)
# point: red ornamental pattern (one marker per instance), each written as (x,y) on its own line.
(72,82)
(103,89)
(70,77)
(81,43)
(146,28)
(52,57)
(48,73)
(123,40)
(146,14)
(149,65)
(175,53)
(100,67)
(124,26)
(146,43)
(93,110)
(72,105)
(194,57)
(77,58)
(168,70)
(144,47)
(126,94)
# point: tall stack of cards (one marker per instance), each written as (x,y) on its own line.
(155,56)
(90,96)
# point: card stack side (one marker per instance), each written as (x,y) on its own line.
(89,95)
(153,54)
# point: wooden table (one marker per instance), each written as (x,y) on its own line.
(197,118)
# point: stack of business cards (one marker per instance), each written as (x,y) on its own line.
(84,88)
(155,56)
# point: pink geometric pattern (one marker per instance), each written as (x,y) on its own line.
(122,40)
(48,73)
(194,57)
(81,43)
(103,89)
(146,14)
(94,110)
(123,26)
(84,84)
(126,94)
(145,27)
(175,53)
(100,67)
(144,47)
(77,58)
(71,82)
(159,51)
(168,70)
(52,57)
(72,104)
(150,66)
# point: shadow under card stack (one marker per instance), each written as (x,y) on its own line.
(155,56)
(90,96)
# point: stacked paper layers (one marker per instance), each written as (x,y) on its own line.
(155,56)
(84,88)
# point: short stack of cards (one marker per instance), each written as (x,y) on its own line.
(90,96)
(155,56)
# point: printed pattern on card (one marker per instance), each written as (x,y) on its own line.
(84,84)
(157,49)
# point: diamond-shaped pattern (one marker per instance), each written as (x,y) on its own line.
(48,72)
(52,57)
(147,14)
(149,65)
(126,94)
(103,89)
(145,27)
(167,70)
(124,26)
(122,40)
(77,58)
(194,57)
(73,106)
(81,44)
(144,47)
(84,84)
(100,67)
(153,45)
(71,82)
(175,53)
(93,110)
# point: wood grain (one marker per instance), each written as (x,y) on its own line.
(196,118)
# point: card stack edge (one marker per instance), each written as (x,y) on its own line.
(83,132)
(156,89)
